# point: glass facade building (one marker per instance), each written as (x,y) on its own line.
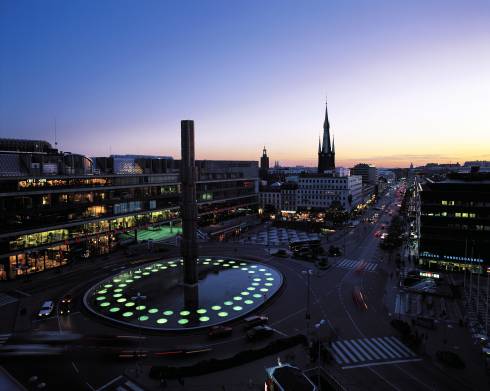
(52,216)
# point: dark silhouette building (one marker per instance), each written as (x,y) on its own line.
(264,164)
(326,150)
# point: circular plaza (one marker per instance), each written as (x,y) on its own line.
(152,296)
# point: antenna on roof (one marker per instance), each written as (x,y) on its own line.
(55,135)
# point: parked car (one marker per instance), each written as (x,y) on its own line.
(256,320)
(46,309)
(282,253)
(220,331)
(450,359)
(259,332)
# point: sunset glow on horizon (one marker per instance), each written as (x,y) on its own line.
(405,82)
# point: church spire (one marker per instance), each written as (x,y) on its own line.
(326,133)
(319,145)
(333,144)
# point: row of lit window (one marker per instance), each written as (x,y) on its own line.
(464,203)
(450,214)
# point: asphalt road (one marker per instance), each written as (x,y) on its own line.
(331,299)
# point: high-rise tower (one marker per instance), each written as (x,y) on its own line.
(326,150)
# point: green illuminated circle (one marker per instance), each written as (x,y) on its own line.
(108,286)
(269,279)
(257,279)
(105,304)
(245,293)
(204,318)
(121,300)
(153,310)
(244,268)
(251,288)
(183,321)
(146,273)
(154,270)
(129,280)
(216,264)
(173,265)
(216,307)
(257,295)
(206,263)
(226,265)
(237,298)
(268,284)
(140,307)
(142,318)
(184,313)
(114,309)
(138,271)
(127,314)
(243,263)
(116,280)
(264,289)
(268,274)
(248,302)
(162,321)
(228,303)
(118,290)
(116,295)
(168,312)
(129,304)
(255,284)
(100,298)
(102,291)
(201,311)
(122,285)
(261,270)
(254,266)
(164,267)
(251,271)
(231,262)
(136,277)
(237,308)
(235,267)
(220,260)
(222,314)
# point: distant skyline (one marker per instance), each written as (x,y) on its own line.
(406,81)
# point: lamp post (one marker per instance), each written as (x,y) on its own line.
(308,274)
(138,298)
(319,356)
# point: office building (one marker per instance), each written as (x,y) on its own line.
(455,222)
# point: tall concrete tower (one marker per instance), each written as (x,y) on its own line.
(189,209)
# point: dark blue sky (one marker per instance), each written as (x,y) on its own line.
(119,75)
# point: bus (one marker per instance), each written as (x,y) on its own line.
(295,245)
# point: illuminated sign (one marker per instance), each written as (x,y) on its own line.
(429,274)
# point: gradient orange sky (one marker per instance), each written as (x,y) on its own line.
(406,81)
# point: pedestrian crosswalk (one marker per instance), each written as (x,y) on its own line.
(4,338)
(6,299)
(363,352)
(357,265)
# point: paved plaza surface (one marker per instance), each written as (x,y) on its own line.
(367,352)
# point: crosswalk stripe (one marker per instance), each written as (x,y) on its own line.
(402,346)
(346,351)
(371,351)
(375,348)
(394,347)
(361,349)
(355,351)
(338,353)
(343,263)
(385,347)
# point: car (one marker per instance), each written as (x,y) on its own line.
(282,253)
(256,320)
(220,331)
(334,251)
(46,309)
(259,332)
(450,359)
(65,304)
(359,298)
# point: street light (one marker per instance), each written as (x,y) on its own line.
(319,360)
(308,274)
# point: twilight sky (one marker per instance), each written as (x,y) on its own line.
(406,80)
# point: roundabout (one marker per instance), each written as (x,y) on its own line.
(153,297)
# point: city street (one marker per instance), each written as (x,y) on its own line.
(367,353)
